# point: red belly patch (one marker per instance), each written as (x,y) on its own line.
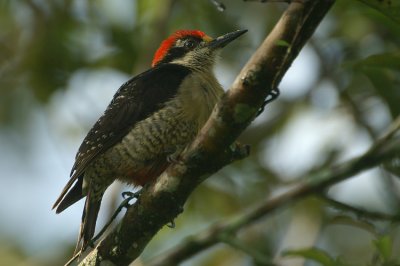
(146,174)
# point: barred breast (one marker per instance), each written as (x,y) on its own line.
(145,152)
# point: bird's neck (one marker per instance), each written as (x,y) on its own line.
(199,92)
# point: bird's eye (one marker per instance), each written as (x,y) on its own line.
(190,44)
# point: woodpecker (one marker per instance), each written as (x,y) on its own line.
(149,122)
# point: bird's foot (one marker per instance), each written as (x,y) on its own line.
(128,196)
(273,94)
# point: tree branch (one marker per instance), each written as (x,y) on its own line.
(385,148)
(161,201)
(361,212)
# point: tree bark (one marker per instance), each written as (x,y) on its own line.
(161,201)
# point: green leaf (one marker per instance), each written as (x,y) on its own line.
(314,254)
(386,60)
(383,70)
(384,246)
(386,85)
(282,43)
(390,8)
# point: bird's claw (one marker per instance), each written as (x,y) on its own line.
(131,195)
(273,94)
(128,196)
(171,224)
(173,158)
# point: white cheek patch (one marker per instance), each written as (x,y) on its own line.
(187,59)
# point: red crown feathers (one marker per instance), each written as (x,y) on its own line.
(167,43)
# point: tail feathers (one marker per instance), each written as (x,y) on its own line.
(88,225)
(67,199)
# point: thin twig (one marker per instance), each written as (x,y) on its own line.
(360,212)
(77,254)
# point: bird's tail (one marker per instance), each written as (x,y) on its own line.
(88,224)
(69,195)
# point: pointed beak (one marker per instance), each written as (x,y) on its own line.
(223,40)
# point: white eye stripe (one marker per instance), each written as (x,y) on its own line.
(179,43)
(186,42)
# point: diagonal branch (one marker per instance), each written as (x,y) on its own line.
(384,149)
(161,201)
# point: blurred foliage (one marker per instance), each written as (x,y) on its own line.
(317,255)
(44,43)
(383,254)
(390,8)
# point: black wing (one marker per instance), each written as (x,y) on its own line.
(134,101)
